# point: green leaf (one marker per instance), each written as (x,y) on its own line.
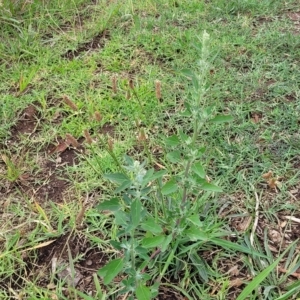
(188,73)
(112,205)
(143,292)
(166,242)
(208,111)
(155,288)
(200,265)
(196,234)
(221,119)
(174,157)
(111,270)
(12,241)
(116,244)
(117,178)
(151,226)
(169,187)
(210,187)
(185,113)
(135,212)
(152,242)
(158,174)
(184,137)
(121,218)
(259,278)
(293,289)
(172,141)
(199,170)
(142,253)
(84,296)
(126,184)
(195,220)
(147,177)
(129,161)
(234,246)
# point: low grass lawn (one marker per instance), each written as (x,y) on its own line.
(85,83)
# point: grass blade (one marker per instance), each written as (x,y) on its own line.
(260,277)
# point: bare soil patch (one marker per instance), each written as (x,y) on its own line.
(26,124)
(295,18)
(49,182)
(85,259)
(54,183)
(70,258)
(97,42)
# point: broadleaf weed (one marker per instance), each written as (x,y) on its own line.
(158,214)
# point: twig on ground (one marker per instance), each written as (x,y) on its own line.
(293,219)
(256,217)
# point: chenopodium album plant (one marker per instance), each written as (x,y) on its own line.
(158,215)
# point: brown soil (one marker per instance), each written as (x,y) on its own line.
(85,259)
(97,42)
(295,18)
(49,184)
(26,124)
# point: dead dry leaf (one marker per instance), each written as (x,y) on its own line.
(296,275)
(293,219)
(70,140)
(41,245)
(56,115)
(243,226)
(283,224)
(236,282)
(273,249)
(256,118)
(51,286)
(160,166)
(60,148)
(275,236)
(24,177)
(234,271)
(267,175)
(80,215)
(273,182)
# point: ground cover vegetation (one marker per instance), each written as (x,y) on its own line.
(149,149)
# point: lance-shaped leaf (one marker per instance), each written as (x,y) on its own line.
(222,119)
(199,170)
(152,242)
(172,141)
(112,205)
(151,226)
(169,187)
(111,270)
(117,178)
(143,292)
(135,212)
(210,187)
